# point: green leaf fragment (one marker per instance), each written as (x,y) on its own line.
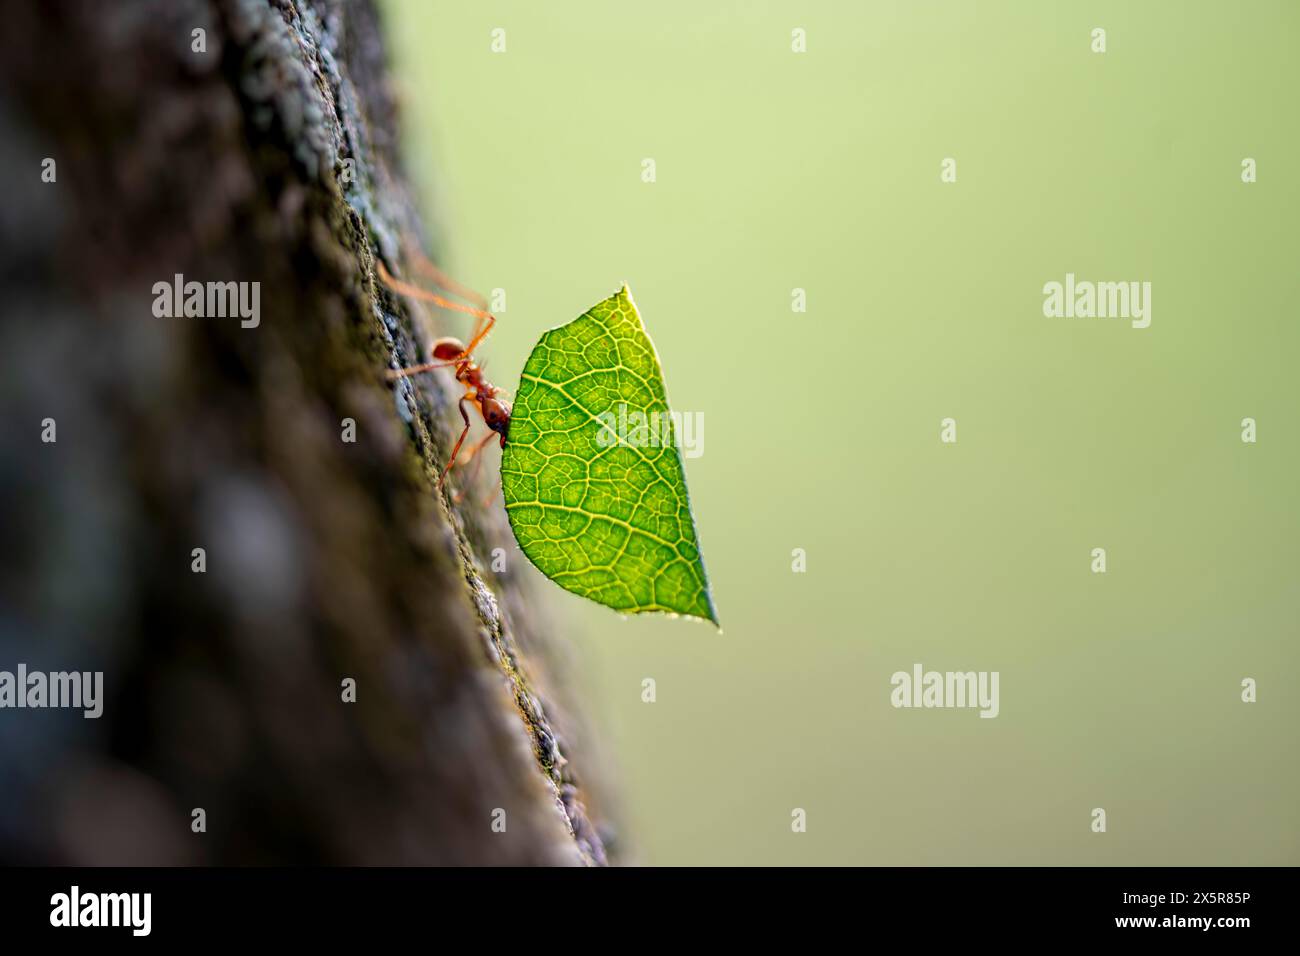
(600,510)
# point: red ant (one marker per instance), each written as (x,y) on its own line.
(448,352)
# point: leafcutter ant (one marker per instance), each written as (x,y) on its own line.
(448,352)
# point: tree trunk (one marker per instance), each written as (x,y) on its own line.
(264,154)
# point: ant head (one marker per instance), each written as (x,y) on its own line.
(497,415)
(444,350)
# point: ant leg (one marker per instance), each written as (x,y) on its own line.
(396,373)
(424,295)
(463,360)
(476,459)
(464,357)
(424,264)
(496,490)
(455,451)
(484,320)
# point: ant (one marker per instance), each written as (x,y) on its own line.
(448,352)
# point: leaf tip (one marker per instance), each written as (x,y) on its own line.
(709,613)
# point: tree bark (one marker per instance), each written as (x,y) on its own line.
(268,157)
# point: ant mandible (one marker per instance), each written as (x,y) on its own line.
(448,352)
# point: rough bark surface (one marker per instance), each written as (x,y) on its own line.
(269,158)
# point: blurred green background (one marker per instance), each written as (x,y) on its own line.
(820,170)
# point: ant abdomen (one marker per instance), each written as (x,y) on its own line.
(446,349)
